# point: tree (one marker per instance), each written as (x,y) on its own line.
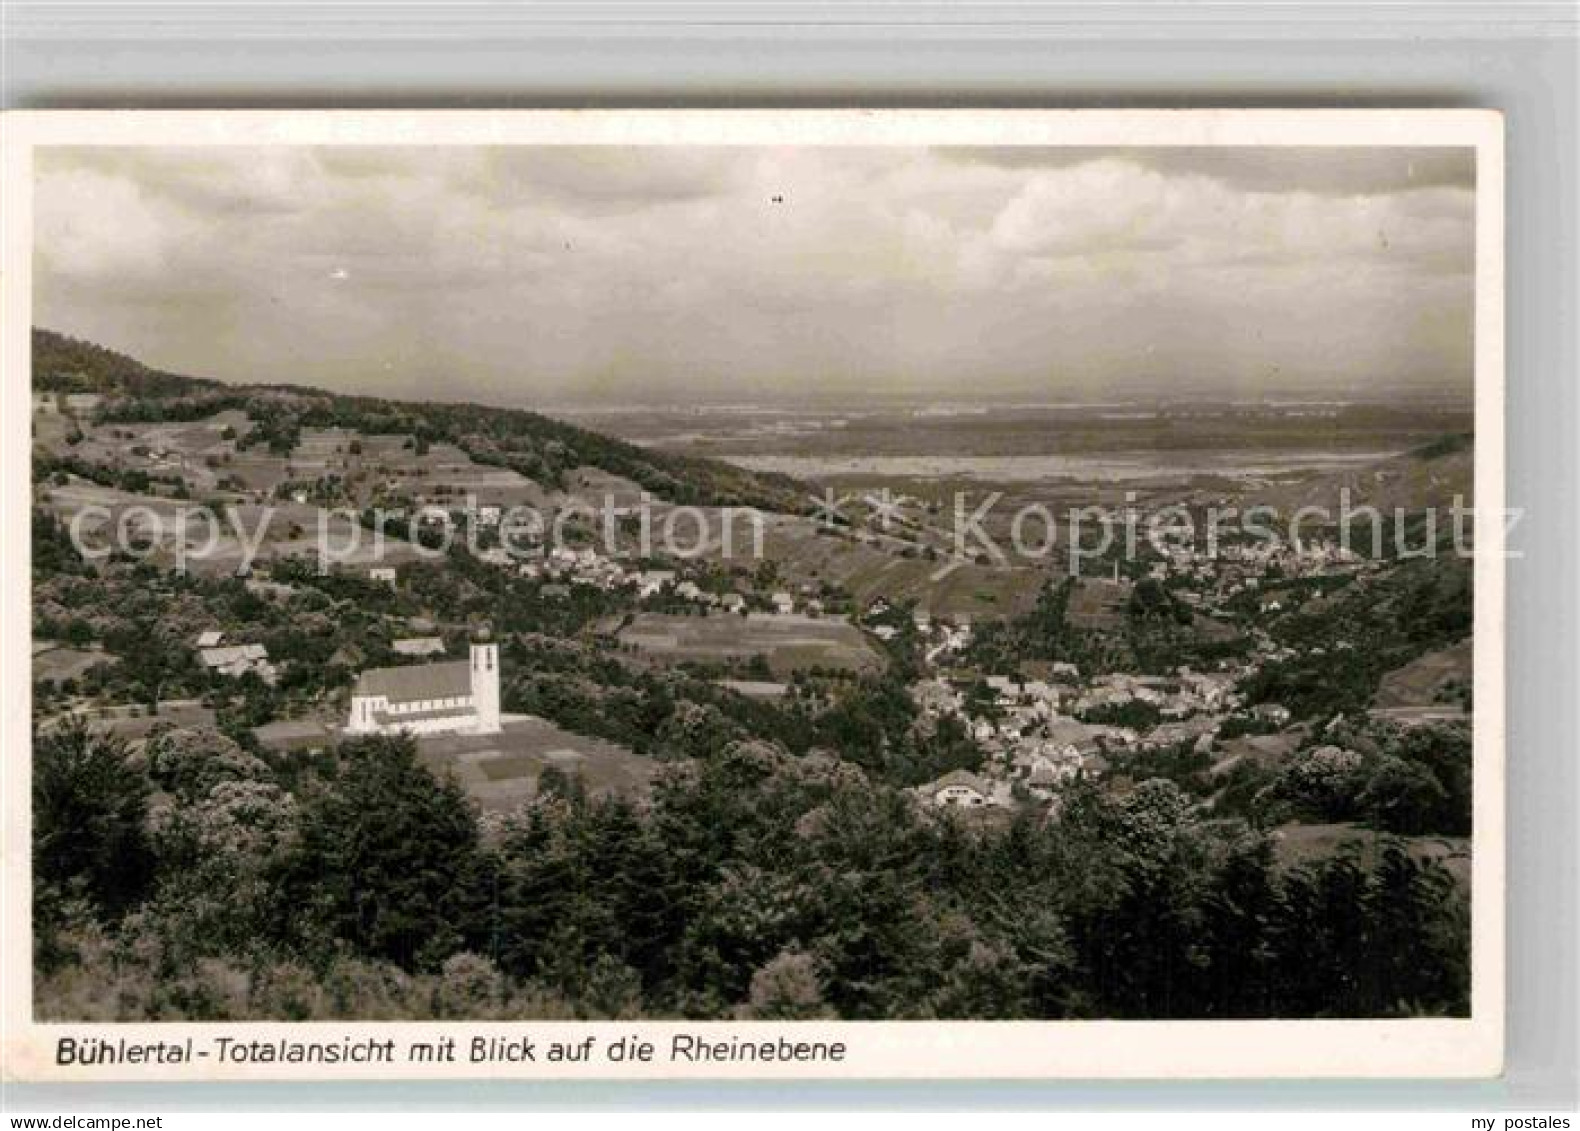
(190,761)
(89,808)
(786,988)
(1401,797)
(1238,908)
(389,857)
(469,988)
(1151,601)
(1418,935)
(221,856)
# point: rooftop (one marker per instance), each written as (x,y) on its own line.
(1043,774)
(236,653)
(419,646)
(411,684)
(960,777)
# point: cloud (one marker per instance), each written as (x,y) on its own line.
(91,224)
(1329,171)
(1097,206)
(600,178)
(530,274)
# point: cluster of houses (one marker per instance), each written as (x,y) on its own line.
(1028,743)
(1239,567)
(1034,744)
(941,636)
(1175,697)
(234,660)
(567,566)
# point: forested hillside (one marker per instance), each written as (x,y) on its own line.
(541,448)
(197,882)
(69,365)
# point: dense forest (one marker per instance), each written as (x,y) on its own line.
(194,880)
(1156,635)
(69,365)
(1414,608)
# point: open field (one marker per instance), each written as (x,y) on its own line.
(790,643)
(1433,476)
(1265,750)
(1097,603)
(1419,682)
(199,452)
(59,663)
(867,570)
(443,471)
(1297,844)
(1123,436)
(1139,467)
(501,771)
(1417,716)
(134,723)
(276,530)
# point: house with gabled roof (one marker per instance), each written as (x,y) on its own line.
(959,788)
(236,660)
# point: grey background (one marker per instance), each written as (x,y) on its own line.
(1518,58)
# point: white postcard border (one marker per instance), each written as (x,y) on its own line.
(1471,1047)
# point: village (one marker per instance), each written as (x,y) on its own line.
(1037,735)
(1038,727)
(1040,733)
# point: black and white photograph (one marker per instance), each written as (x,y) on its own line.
(838,570)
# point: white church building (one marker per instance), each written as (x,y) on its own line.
(459,697)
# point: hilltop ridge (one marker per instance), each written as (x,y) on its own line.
(1431,475)
(539,447)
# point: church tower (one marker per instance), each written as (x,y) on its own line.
(485,687)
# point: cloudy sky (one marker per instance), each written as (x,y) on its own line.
(530,275)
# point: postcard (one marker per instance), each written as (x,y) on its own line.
(754,594)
